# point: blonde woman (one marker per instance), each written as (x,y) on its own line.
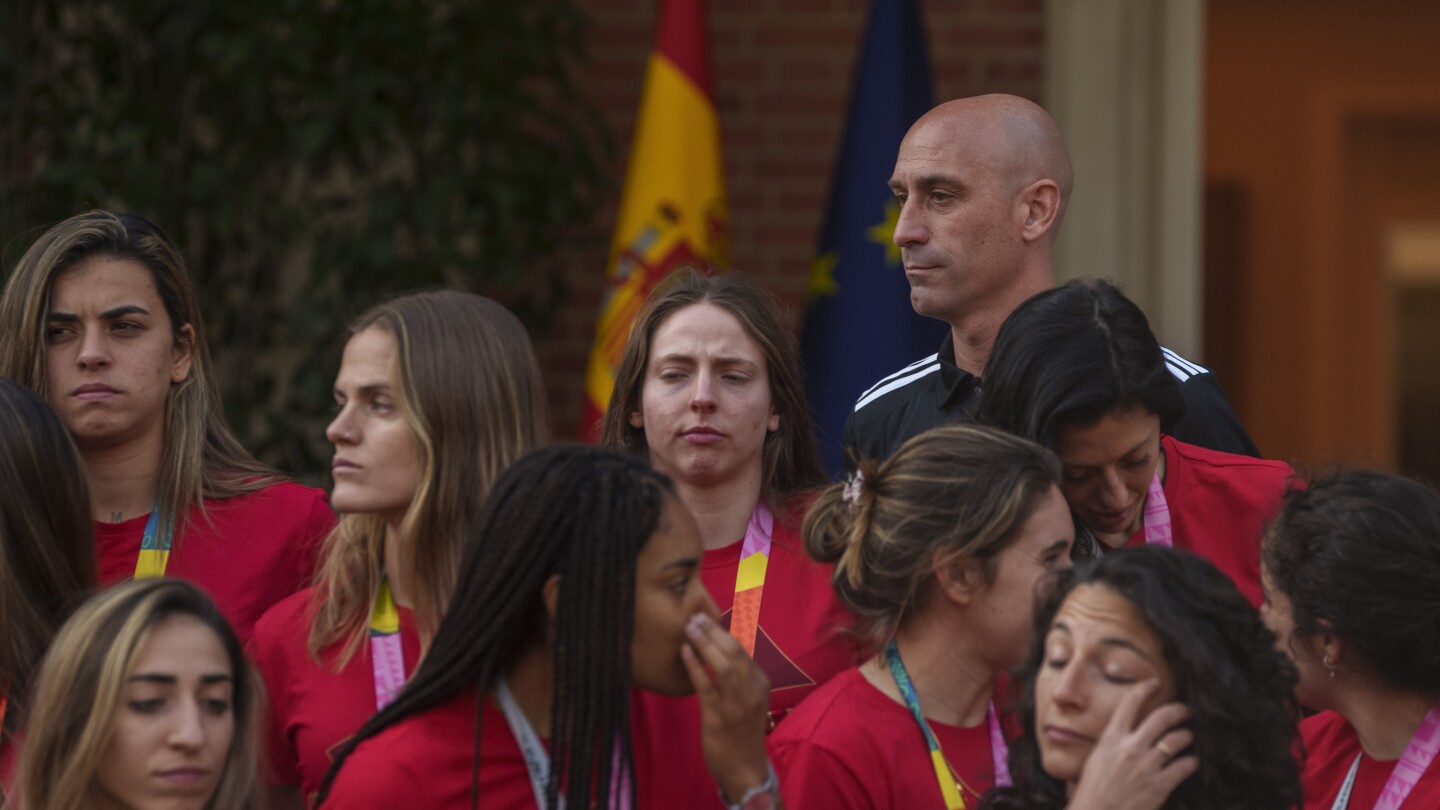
(437,394)
(145,700)
(99,317)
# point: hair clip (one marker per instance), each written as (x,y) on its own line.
(853,486)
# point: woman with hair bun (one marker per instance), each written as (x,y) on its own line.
(938,551)
(1352,585)
(417,448)
(100,318)
(47,555)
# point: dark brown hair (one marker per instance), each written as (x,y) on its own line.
(1358,555)
(47,552)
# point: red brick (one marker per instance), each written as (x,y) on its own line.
(1027,38)
(783,73)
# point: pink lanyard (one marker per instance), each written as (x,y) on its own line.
(750,577)
(1157,515)
(1418,756)
(387,656)
(999,752)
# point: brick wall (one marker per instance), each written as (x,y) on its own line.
(782,72)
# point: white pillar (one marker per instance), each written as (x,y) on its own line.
(1124,79)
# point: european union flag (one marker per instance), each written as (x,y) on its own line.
(859,325)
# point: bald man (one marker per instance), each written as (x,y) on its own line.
(982,185)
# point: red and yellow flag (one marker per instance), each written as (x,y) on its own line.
(672,209)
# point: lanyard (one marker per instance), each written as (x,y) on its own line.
(1157,515)
(944,774)
(154,548)
(1155,520)
(750,578)
(537,759)
(1419,753)
(387,656)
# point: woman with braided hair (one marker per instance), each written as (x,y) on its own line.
(580,586)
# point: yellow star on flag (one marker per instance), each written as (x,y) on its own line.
(883,233)
(822,276)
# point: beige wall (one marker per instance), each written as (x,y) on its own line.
(1123,79)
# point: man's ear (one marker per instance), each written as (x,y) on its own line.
(551,595)
(1041,201)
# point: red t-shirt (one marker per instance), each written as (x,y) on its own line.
(849,745)
(799,645)
(1219,506)
(313,707)
(425,761)
(256,549)
(1331,747)
(9,759)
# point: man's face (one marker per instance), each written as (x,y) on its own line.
(961,217)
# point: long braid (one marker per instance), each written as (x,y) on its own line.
(580,512)
(594,627)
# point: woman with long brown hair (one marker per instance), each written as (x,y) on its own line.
(47,556)
(99,317)
(438,393)
(709,391)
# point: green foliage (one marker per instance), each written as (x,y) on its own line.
(310,157)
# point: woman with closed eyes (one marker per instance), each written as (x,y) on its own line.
(1151,684)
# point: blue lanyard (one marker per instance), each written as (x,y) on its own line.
(154,547)
(945,775)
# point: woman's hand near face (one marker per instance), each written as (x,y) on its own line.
(1136,766)
(734,697)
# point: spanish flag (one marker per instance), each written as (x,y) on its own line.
(672,209)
